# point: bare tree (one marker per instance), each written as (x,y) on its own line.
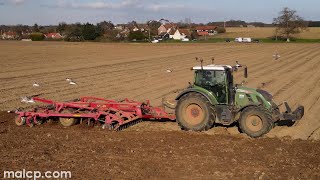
(153,26)
(289,23)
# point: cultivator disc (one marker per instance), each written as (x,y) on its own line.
(127,125)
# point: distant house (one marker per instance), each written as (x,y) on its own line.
(203,33)
(135,28)
(9,35)
(53,36)
(167,35)
(139,27)
(143,27)
(124,33)
(165,28)
(120,27)
(251,26)
(206,30)
(181,34)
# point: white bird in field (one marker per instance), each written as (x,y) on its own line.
(169,71)
(238,65)
(27,100)
(276,56)
(35,84)
(68,80)
(72,83)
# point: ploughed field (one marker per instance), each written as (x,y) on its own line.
(157,149)
(266,32)
(138,71)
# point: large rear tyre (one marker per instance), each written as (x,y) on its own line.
(255,121)
(194,112)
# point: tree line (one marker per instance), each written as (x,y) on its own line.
(287,23)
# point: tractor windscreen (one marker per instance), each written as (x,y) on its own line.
(214,81)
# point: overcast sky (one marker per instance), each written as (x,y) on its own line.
(46,12)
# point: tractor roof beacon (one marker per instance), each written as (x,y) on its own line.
(214,98)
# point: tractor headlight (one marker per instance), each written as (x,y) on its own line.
(265,94)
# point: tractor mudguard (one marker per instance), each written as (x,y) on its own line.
(207,94)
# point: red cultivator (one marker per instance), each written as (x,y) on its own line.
(110,113)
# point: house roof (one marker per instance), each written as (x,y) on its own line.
(203,33)
(56,35)
(167,26)
(185,32)
(206,27)
(52,34)
(10,33)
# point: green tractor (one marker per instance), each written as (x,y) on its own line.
(213,98)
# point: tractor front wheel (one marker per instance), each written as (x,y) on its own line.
(194,112)
(255,121)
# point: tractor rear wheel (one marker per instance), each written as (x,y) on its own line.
(194,112)
(255,121)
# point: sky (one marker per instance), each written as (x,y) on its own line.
(50,12)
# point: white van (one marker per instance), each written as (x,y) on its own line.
(185,39)
(239,39)
(247,40)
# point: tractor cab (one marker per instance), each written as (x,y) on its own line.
(217,79)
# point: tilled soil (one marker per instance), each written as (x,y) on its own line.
(138,71)
(139,153)
(157,150)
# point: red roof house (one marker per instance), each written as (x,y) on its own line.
(206,30)
(53,36)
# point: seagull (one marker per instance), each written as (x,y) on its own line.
(72,83)
(27,100)
(68,80)
(238,65)
(169,71)
(35,84)
(276,56)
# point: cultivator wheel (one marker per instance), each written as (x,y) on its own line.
(67,122)
(20,121)
(30,121)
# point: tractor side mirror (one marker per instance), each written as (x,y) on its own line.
(246,72)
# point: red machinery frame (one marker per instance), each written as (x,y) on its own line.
(108,112)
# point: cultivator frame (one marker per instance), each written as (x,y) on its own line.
(110,114)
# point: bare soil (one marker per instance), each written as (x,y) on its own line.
(157,149)
(138,71)
(93,153)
